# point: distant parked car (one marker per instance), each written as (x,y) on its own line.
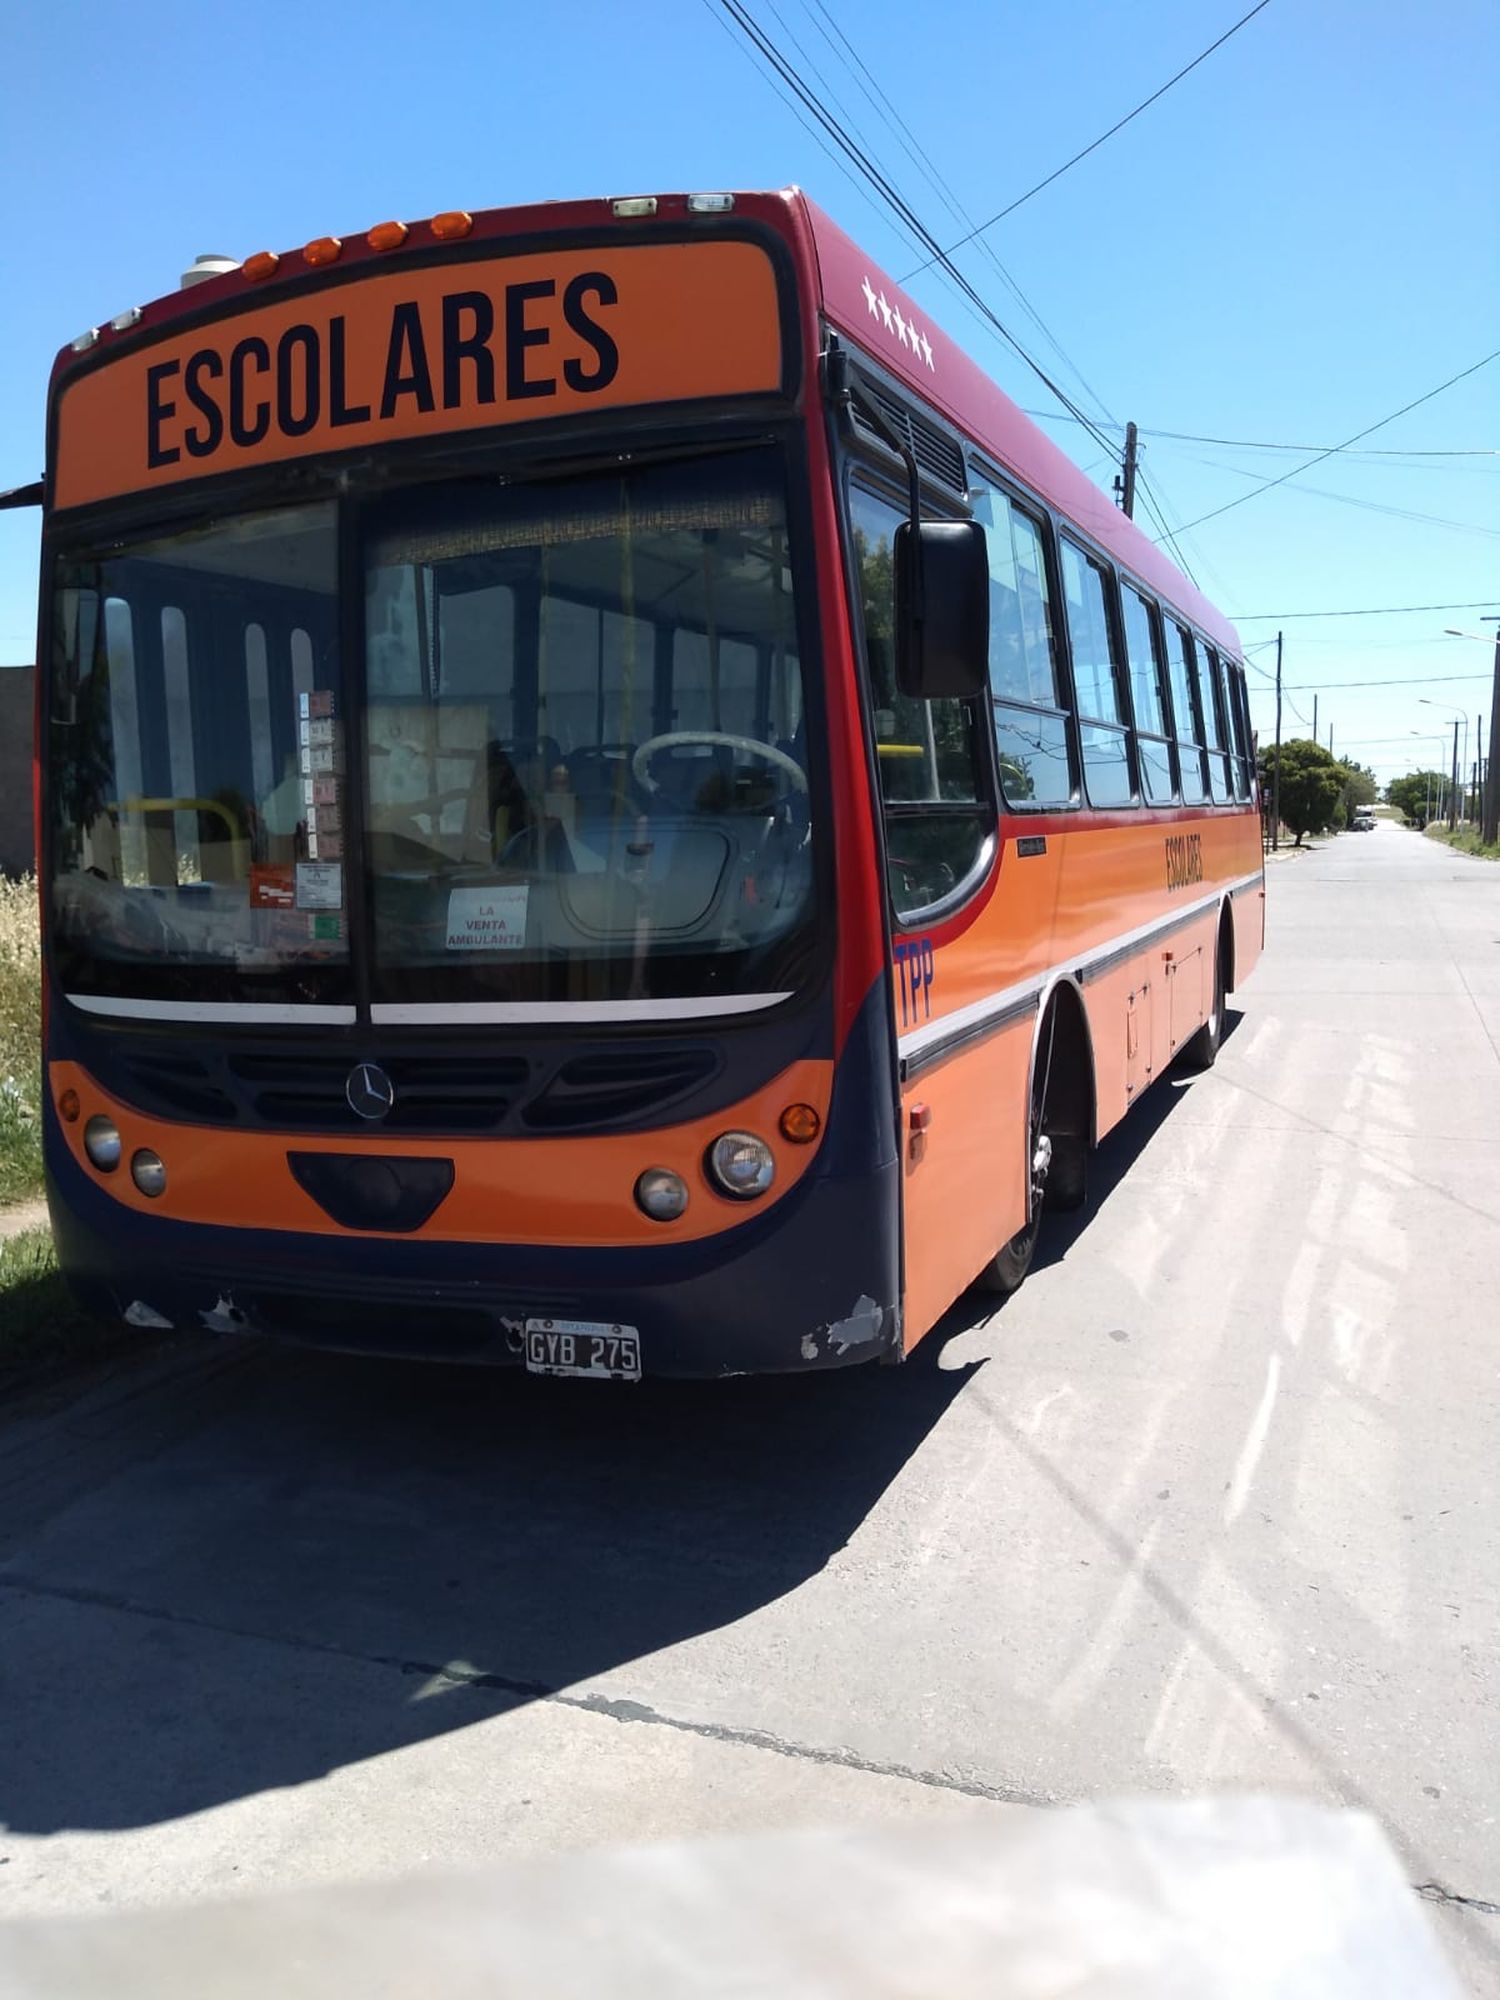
(1364,822)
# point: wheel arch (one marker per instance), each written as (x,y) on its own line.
(1072,1098)
(1226,941)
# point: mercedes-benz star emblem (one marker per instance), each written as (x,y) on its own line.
(369,1091)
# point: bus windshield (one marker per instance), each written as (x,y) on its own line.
(575,744)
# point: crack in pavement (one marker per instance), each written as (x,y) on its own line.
(624,1711)
(483,1680)
(1434,1892)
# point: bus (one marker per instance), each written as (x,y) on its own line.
(605,801)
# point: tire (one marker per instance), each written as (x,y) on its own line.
(1202,1052)
(1008,1267)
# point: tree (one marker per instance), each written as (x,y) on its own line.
(1311,785)
(1360,786)
(1412,794)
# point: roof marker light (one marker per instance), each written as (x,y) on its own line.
(710,204)
(451,224)
(387,236)
(125,320)
(323,250)
(85,341)
(634,204)
(261,265)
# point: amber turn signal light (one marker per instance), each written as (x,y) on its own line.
(261,265)
(387,236)
(801,1124)
(451,224)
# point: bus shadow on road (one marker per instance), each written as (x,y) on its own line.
(350,1557)
(1113,1159)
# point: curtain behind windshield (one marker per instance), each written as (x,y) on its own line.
(196,791)
(585,749)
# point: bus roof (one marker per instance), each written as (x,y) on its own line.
(854,295)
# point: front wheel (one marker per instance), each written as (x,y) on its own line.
(1006,1269)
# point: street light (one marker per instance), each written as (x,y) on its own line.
(1453,803)
(1424,736)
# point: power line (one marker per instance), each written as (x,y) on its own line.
(811,130)
(1095,144)
(915,151)
(1263,444)
(909,218)
(1370,611)
(1353,500)
(1409,680)
(1154,508)
(1374,451)
(1266,485)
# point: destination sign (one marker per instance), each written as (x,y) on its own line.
(418,352)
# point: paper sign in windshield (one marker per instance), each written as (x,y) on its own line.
(488,919)
(320,885)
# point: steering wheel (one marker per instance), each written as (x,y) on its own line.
(641,760)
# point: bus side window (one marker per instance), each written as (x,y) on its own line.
(1187,719)
(937,813)
(1148,687)
(1031,722)
(1102,715)
(1233,686)
(1249,730)
(1216,730)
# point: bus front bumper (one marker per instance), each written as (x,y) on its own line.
(813,1283)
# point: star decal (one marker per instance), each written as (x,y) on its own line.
(895,321)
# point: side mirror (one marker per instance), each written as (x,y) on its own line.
(942,609)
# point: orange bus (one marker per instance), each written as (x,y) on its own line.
(605,801)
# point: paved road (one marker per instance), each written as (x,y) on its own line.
(1210,1504)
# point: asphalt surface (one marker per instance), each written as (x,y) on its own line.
(1209,1505)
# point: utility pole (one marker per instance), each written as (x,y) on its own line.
(1453,792)
(1490,831)
(1316,737)
(1276,768)
(1477,768)
(1127,500)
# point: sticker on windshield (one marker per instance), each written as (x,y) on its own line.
(320,885)
(270,886)
(488,919)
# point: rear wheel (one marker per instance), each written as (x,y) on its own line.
(1202,1052)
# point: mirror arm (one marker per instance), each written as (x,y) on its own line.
(847,393)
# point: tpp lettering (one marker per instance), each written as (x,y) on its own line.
(915,971)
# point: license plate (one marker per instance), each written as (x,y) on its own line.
(591,1348)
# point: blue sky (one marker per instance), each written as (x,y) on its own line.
(1295,241)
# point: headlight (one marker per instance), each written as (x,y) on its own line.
(101,1141)
(662,1194)
(148,1173)
(741,1164)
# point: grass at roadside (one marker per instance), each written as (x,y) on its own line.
(1465,840)
(40,1327)
(20,1042)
